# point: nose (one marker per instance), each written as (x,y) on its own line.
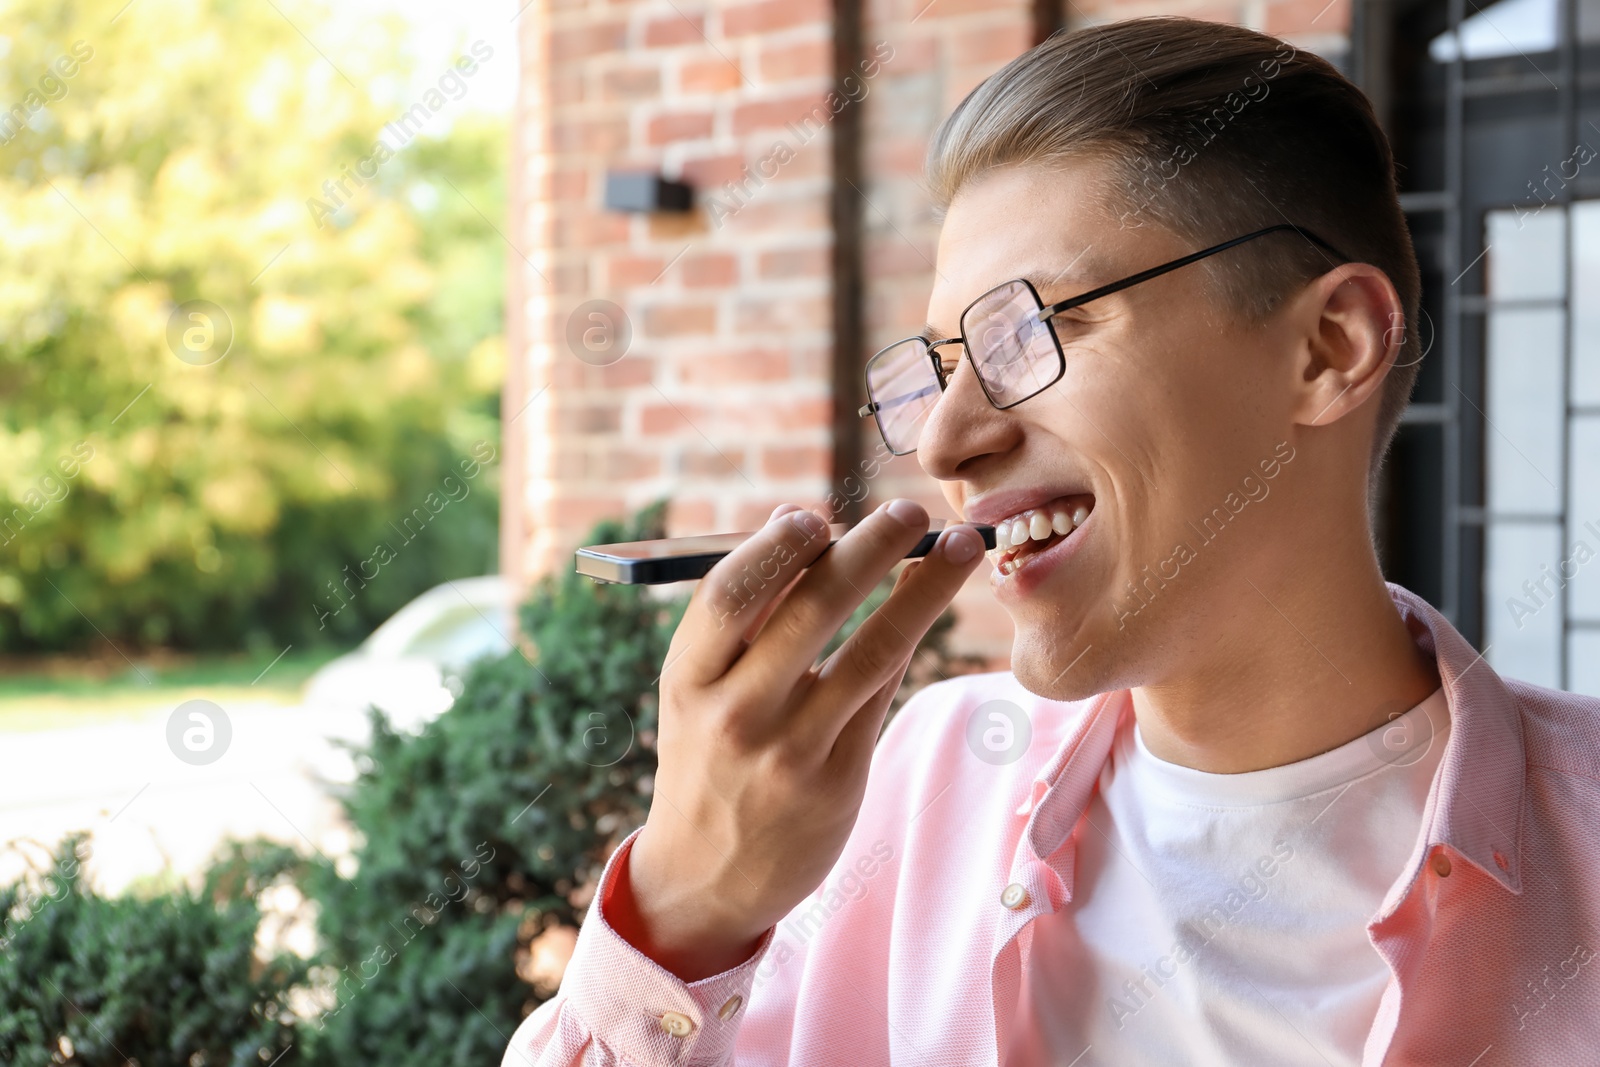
(963,427)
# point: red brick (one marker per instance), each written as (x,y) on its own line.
(595,136)
(674,29)
(708,462)
(765,16)
(990,44)
(677,226)
(789,413)
(795,263)
(587,418)
(783,314)
(567,372)
(945,9)
(588,229)
(895,156)
(626,372)
(568,277)
(898,255)
(566,87)
(796,461)
(809,113)
(587,39)
(716,75)
(573,465)
(625,270)
(807,59)
(665,418)
(566,183)
(719,269)
(620,465)
(680,126)
(676,320)
(578,513)
(631,82)
(907,55)
(788,215)
(1307,16)
(751,365)
(688,517)
(712,171)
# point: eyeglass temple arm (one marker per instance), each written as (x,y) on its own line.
(1146,275)
(1106,290)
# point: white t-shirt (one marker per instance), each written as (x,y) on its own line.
(1220,919)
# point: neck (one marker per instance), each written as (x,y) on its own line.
(1295,666)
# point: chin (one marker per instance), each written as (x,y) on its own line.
(1054,665)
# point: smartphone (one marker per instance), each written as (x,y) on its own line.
(679,559)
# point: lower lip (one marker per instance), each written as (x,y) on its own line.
(1037,566)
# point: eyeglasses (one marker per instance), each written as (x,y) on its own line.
(1019,354)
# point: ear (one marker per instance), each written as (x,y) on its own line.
(1353,326)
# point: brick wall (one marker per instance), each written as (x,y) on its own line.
(725,397)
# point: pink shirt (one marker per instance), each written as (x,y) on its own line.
(912,950)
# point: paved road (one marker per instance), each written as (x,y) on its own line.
(149,810)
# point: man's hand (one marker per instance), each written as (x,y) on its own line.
(764,752)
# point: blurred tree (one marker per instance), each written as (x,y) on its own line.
(283,463)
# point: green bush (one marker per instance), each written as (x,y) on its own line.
(481,830)
(167,980)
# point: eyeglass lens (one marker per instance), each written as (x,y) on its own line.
(1016,358)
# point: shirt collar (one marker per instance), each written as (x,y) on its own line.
(1476,803)
(1474,806)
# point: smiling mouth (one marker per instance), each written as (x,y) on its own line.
(1030,532)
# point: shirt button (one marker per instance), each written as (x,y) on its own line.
(677,1024)
(1441,864)
(727,1010)
(1014,897)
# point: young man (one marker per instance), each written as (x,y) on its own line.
(1238,801)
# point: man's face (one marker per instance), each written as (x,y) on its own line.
(1171,424)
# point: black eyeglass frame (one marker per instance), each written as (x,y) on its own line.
(872,407)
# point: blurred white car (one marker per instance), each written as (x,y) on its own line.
(406,665)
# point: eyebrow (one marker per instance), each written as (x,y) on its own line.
(1082,272)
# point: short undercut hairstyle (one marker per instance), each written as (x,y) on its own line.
(1212,131)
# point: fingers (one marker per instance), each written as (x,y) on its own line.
(766,611)
(852,749)
(740,588)
(831,590)
(879,651)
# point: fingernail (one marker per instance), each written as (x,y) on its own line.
(904,511)
(958,544)
(808,522)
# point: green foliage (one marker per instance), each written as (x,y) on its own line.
(169,980)
(209,506)
(473,836)
(483,829)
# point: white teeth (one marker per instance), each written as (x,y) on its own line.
(1032,525)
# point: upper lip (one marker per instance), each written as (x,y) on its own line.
(997,504)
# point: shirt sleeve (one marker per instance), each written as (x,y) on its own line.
(618,1008)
